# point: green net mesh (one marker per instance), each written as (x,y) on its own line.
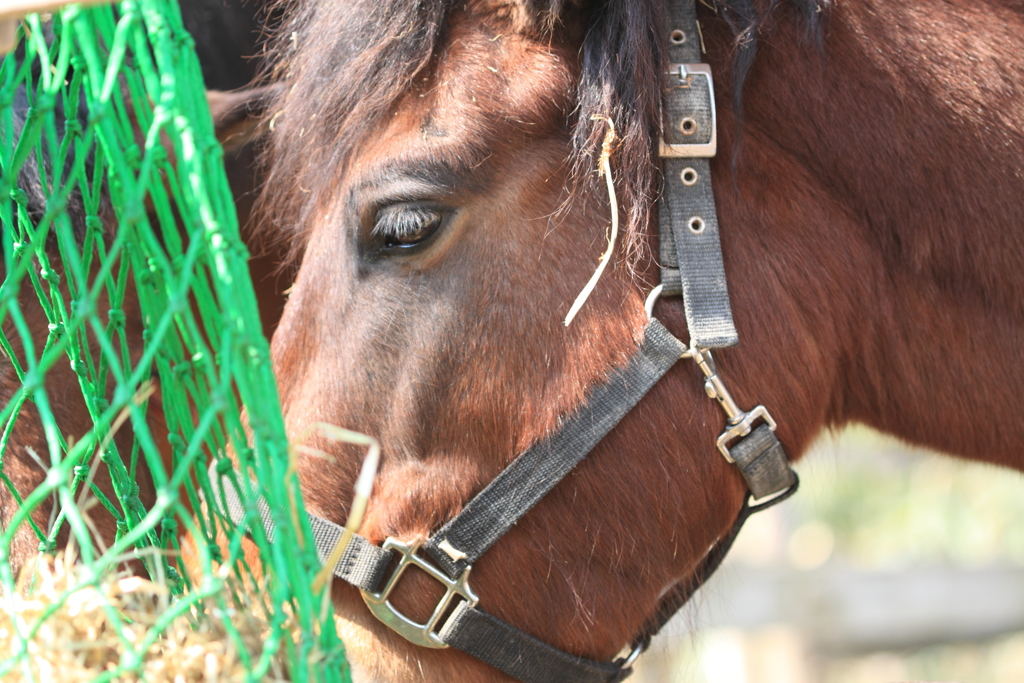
(133,360)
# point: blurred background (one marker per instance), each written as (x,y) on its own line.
(890,564)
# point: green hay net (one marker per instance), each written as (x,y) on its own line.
(131,347)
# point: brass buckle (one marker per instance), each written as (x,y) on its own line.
(418,634)
(684,73)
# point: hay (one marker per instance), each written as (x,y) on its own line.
(122,239)
(77,630)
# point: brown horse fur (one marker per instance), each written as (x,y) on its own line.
(871,235)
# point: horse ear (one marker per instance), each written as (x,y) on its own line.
(237,114)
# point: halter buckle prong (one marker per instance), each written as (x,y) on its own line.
(425,635)
(681,76)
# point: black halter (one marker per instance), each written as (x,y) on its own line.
(690,243)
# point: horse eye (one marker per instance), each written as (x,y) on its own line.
(403,227)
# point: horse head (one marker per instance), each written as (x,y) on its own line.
(446,226)
(437,167)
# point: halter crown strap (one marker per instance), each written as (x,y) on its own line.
(690,250)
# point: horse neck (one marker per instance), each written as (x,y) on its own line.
(871,224)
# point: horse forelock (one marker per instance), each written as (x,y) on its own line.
(349,63)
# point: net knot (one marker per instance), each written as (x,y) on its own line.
(177,443)
(215,552)
(44,105)
(169,525)
(132,155)
(45,102)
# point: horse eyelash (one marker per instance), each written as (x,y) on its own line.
(398,223)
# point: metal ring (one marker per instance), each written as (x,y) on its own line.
(688,126)
(631,659)
(677,37)
(689,176)
(696,225)
(651,299)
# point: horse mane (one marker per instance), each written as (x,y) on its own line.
(348,63)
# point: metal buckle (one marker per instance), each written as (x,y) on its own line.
(738,422)
(418,634)
(742,428)
(684,72)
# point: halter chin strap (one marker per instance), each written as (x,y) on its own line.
(691,257)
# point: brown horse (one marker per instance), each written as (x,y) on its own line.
(435,165)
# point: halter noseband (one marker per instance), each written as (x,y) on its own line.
(689,242)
